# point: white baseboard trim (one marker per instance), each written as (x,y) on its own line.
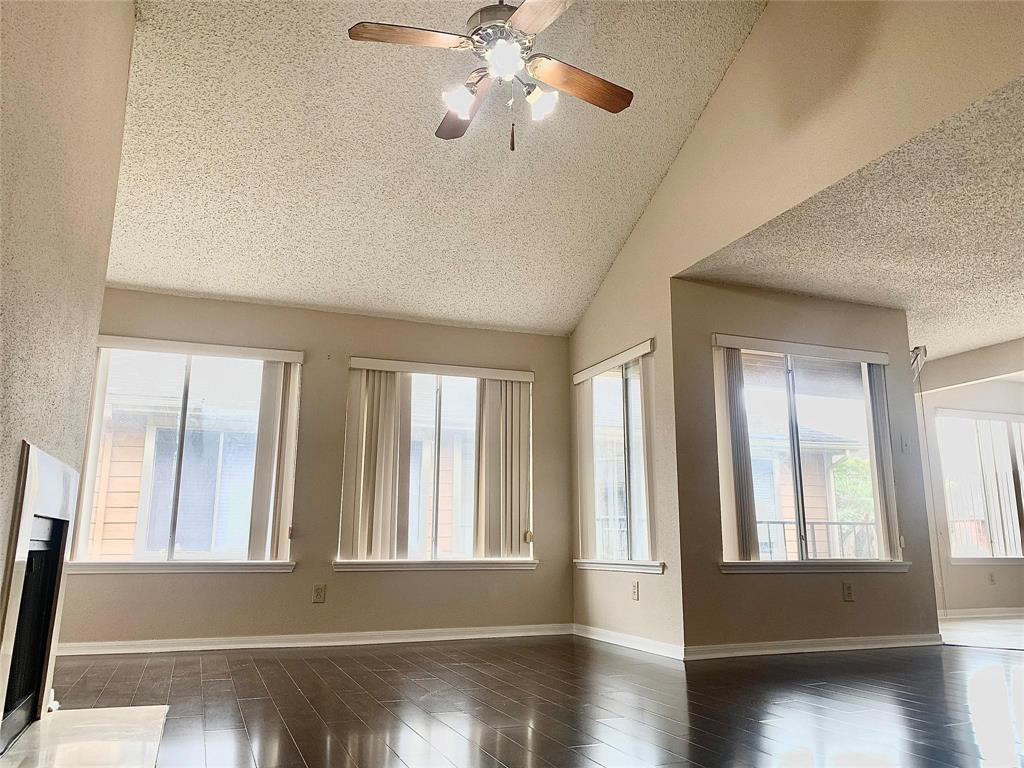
(981,613)
(308,640)
(696,652)
(658,648)
(635,642)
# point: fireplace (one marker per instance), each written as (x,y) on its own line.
(29,602)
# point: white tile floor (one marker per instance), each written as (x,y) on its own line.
(116,737)
(983,632)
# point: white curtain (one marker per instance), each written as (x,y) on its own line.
(372,474)
(503,505)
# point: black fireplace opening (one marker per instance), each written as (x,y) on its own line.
(25,694)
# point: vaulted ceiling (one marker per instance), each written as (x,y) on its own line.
(935,227)
(267,157)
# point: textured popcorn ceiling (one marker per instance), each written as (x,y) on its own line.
(267,157)
(935,227)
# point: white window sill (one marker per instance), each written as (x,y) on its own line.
(627,566)
(489,564)
(815,566)
(987,561)
(181,566)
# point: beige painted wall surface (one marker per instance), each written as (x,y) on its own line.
(603,599)
(967,367)
(746,608)
(818,90)
(65,76)
(963,585)
(157,606)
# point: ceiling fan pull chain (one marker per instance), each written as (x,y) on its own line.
(512,115)
(511,104)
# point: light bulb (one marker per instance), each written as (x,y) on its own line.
(505,59)
(542,103)
(459,100)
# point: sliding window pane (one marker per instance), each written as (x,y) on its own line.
(840,488)
(977,477)
(610,466)
(456,497)
(638,537)
(130,514)
(422,438)
(215,499)
(767,407)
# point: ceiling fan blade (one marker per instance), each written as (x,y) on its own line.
(576,82)
(453,126)
(534,16)
(371,31)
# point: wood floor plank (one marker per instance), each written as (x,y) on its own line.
(560,702)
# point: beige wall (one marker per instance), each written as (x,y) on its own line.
(65,76)
(157,606)
(603,599)
(745,608)
(968,367)
(818,90)
(966,585)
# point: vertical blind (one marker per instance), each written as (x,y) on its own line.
(981,458)
(377,468)
(504,471)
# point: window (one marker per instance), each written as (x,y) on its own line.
(612,459)
(442,493)
(189,454)
(809,457)
(437,464)
(620,498)
(981,455)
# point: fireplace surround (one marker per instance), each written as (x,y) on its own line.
(30,593)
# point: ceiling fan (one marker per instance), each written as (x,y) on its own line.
(503,37)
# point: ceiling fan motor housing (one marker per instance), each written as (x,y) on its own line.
(489,24)
(488,15)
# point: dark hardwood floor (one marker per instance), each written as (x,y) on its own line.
(564,702)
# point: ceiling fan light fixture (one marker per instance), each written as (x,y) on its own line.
(503,37)
(542,103)
(459,100)
(504,59)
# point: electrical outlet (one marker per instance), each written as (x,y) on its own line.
(904,444)
(319,593)
(848,592)
(636,590)
(991,577)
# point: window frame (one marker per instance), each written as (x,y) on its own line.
(281,429)
(640,355)
(405,466)
(880,450)
(346,560)
(1017,470)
